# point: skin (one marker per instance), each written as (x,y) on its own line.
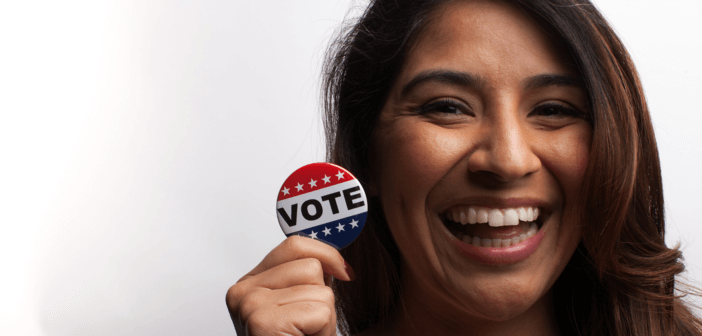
(289,292)
(493,143)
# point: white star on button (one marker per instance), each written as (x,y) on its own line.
(326,179)
(340,227)
(313,235)
(354,223)
(340,175)
(327,231)
(299,187)
(312,183)
(286,191)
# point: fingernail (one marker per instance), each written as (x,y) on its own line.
(349,271)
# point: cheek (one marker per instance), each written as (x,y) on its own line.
(568,157)
(412,156)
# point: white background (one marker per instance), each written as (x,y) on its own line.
(142,145)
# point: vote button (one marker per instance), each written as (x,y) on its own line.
(322,201)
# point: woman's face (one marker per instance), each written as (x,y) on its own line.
(484,124)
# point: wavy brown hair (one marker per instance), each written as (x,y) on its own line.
(621,280)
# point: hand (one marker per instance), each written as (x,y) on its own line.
(288,293)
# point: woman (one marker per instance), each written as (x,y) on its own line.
(514,183)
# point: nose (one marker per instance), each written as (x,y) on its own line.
(504,151)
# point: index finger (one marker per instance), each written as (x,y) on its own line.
(296,247)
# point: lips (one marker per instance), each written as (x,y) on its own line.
(494,235)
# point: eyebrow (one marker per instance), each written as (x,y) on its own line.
(544,80)
(444,76)
(468,79)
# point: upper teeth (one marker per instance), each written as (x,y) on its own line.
(494,217)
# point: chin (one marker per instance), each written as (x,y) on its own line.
(506,305)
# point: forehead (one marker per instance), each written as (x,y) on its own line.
(485,36)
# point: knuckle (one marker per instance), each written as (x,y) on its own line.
(313,269)
(234,295)
(321,310)
(327,311)
(243,302)
(295,243)
(312,265)
(258,323)
(252,303)
(328,295)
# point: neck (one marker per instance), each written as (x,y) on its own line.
(420,313)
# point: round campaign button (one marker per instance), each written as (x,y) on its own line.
(322,201)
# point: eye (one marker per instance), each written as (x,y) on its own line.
(445,106)
(555,110)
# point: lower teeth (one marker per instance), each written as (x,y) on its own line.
(484,242)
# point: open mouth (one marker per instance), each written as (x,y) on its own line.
(491,227)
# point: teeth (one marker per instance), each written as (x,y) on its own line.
(482,216)
(494,217)
(511,217)
(472,216)
(461,235)
(523,215)
(484,242)
(533,229)
(476,241)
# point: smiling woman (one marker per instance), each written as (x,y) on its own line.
(482,143)
(514,181)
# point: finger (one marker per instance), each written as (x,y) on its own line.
(261,299)
(296,247)
(298,318)
(308,271)
(302,293)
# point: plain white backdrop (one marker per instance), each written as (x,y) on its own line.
(142,145)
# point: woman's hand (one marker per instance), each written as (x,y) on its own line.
(288,292)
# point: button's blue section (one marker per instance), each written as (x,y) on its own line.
(338,233)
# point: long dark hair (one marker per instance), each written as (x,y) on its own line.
(621,279)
